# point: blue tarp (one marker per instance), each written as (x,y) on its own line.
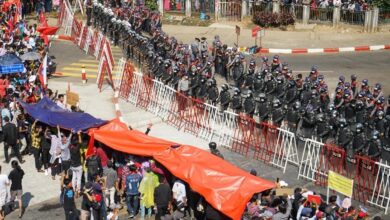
(50,113)
(10,63)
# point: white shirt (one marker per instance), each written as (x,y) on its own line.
(110,215)
(180,190)
(3,182)
(62,105)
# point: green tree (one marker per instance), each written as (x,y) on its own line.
(383,4)
(151,4)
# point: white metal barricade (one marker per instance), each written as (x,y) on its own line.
(381,194)
(285,150)
(88,40)
(67,20)
(156,96)
(168,96)
(309,164)
(208,122)
(226,129)
(118,73)
(135,88)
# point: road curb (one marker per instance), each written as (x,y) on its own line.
(321,50)
(60,37)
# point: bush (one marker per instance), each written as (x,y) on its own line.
(151,4)
(269,19)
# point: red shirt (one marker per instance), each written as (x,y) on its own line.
(103,156)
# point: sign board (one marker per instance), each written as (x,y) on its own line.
(282,191)
(255,30)
(261,33)
(340,184)
(238,30)
(72,98)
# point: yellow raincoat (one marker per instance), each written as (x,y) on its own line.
(148,183)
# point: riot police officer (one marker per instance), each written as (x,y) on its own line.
(344,134)
(224,97)
(322,128)
(237,71)
(277,112)
(212,91)
(292,116)
(237,100)
(249,104)
(308,122)
(263,108)
(291,93)
(201,92)
(374,146)
(359,142)
(258,84)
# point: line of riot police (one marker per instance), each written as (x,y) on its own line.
(356,118)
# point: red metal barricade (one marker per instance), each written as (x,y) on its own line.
(103,41)
(92,45)
(145,93)
(83,37)
(364,178)
(76,29)
(193,115)
(126,81)
(177,110)
(332,158)
(109,55)
(61,14)
(265,138)
(102,75)
(243,136)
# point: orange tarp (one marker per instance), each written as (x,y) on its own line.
(224,186)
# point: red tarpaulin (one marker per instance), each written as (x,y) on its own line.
(224,186)
(47,30)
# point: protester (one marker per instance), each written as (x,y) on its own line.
(75,163)
(111,184)
(132,191)
(162,198)
(16,176)
(68,200)
(4,182)
(147,186)
(10,135)
(36,144)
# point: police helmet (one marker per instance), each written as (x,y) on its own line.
(212,145)
(380,114)
(342,122)
(262,97)
(320,117)
(224,87)
(375,134)
(276,103)
(297,105)
(359,128)
(237,91)
(353,77)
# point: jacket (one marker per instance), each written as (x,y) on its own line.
(10,133)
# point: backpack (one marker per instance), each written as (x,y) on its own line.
(93,164)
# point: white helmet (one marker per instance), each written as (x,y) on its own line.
(113,20)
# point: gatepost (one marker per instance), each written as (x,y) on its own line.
(306,11)
(367,20)
(276,6)
(188,8)
(336,16)
(374,19)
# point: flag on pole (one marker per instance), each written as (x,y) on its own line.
(42,72)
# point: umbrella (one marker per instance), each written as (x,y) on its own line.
(30,56)
(10,63)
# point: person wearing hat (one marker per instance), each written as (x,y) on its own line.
(86,201)
(148,183)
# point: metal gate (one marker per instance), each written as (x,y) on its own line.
(228,11)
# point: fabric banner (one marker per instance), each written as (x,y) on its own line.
(50,113)
(223,185)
